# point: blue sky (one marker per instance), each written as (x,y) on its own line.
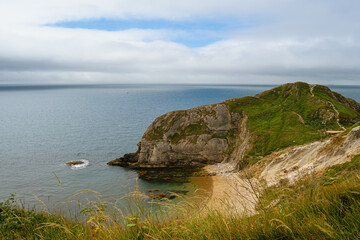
(195,32)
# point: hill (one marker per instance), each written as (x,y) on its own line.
(243,130)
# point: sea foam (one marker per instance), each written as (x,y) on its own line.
(80,166)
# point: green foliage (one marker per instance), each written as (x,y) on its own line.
(18,223)
(338,173)
(345,112)
(175,138)
(157,133)
(289,115)
(163,124)
(350,128)
(95,215)
(8,219)
(194,130)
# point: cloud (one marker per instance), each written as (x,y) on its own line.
(314,41)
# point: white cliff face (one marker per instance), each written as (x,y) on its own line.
(301,161)
(196,136)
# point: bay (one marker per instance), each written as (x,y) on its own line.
(43,127)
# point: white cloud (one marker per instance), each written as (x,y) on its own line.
(315,41)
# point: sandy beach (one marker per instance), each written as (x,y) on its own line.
(232,194)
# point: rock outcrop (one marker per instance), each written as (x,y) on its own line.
(301,161)
(194,137)
(241,131)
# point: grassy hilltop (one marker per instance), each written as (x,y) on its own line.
(293,114)
(288,115)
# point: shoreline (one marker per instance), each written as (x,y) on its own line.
(231,194)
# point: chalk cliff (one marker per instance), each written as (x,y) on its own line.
(310,158)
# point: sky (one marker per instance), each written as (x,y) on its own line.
(168,41)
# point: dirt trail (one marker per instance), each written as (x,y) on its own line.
(311,89)
(337,116)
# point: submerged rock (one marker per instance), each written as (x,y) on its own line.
(161,195)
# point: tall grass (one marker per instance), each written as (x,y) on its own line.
(314,208)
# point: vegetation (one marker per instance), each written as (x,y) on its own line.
(194,130)
(165,122)
(321,206)
(18,223)
(291,114)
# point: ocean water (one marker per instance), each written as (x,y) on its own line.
(43,127)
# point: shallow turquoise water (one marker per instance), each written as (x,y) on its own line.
(42,128)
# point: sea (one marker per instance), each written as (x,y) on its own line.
(43,127)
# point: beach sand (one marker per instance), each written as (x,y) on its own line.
(232,194)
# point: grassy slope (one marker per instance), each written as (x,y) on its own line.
(289,115)
(18,223)
(322,206)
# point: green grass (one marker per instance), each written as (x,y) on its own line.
(350,128)
(18,223)
(195,130)
(164,123)
(289,115)
(344,111)
(313,208)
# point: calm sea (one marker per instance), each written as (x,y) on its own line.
(43,127)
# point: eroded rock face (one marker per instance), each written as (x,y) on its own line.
(193,137)
(196,136)
(304,160)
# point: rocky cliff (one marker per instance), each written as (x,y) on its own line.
(241,131)
(311,158)
(197,136)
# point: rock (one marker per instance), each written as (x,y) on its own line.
(162,195)
(301,161)
(225,133)
(193,137)
(125,160)
(172,196)
(157,196)
(78,162)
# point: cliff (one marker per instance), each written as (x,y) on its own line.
(311,158)
(241,131)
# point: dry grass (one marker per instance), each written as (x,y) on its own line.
(314,208)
